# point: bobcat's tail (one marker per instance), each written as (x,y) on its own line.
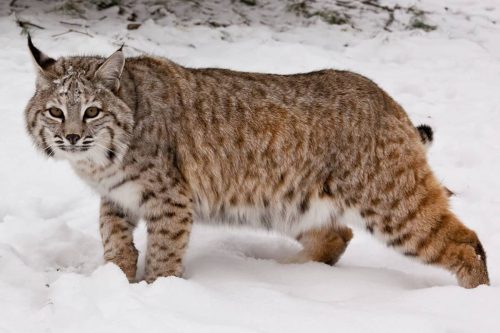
(426,134)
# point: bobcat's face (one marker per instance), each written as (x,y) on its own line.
(75,113)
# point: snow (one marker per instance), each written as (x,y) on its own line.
(52,277)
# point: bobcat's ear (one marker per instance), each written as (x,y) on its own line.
(110,71)
(42,63)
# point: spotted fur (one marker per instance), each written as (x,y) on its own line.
(299,154)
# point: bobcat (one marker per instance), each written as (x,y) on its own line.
(300,154)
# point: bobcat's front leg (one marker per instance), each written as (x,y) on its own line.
(116,227)
(168,214)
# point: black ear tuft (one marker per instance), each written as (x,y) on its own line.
(41,59)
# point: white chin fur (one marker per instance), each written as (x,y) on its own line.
(93,155)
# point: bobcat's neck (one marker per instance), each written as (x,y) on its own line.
(150,84)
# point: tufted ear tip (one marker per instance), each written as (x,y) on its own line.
(42,63)
(41,60)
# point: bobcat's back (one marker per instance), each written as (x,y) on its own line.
(280,151)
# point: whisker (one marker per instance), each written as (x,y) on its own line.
(106,148)
(118,147)
(49,149)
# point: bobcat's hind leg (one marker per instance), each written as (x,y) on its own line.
(446,242)
(325,244)
(419,224)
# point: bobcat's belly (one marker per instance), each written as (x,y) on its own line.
(285,218)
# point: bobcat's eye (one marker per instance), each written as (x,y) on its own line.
(56,112)
(91,112)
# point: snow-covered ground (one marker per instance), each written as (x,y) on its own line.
(52,278)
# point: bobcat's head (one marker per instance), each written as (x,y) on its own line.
(75,113)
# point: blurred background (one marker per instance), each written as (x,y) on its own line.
(359,15)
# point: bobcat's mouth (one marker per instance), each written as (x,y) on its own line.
(75,149)
(78,147)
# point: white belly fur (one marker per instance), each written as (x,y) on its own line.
(128,196)
(284,218)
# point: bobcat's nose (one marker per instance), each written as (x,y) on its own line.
(73,138)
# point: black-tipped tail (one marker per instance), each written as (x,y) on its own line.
(426,134)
